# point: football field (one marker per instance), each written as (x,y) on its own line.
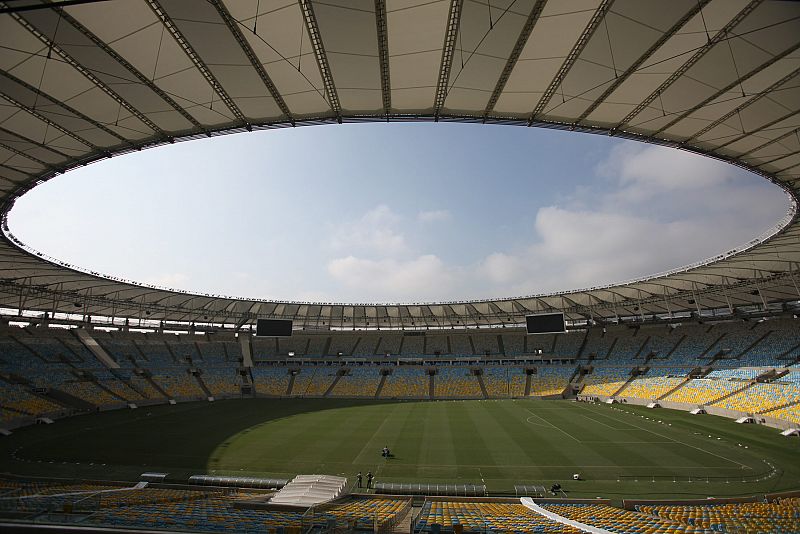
(618,450)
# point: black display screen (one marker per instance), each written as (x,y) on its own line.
(274,328)
(546,323)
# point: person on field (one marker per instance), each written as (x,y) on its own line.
(369,479)
(359,478)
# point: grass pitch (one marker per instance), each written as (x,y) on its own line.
(619,451)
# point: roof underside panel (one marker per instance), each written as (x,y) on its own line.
(486,38)
(626,33)
(672,55)
(349,36)
(140,38)
(287,56)
(100,79)
(555,34)
(416,33)
(78,43)
(200,23)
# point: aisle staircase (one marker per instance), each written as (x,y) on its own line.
(634,376)
(291,385)
(305,491)
(333,384)
(380,385)
(202,385)
(731,394)
(483,386)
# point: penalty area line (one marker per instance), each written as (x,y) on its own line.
(743,466)
(551,425)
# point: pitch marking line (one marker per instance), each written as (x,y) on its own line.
(553,426)
(545,466)
(605,425)
(743,466)
(528,420)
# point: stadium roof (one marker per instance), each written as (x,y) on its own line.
(86,80)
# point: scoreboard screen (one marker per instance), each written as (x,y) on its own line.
(546,323)
(273,328)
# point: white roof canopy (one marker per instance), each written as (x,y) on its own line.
(85,80)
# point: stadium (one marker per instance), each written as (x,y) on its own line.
(666,403)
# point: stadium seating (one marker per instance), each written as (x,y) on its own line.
(389,344)
(178,383)
(517,380)
(661,340)
(760,398)
(485,343)
(123,351)
(782,516)
(605,380)
(11,418)
(780,346)
(343,343)
(413,345)
(436,343)
(694,342)
(359,382)
(545,342)
(496,380)
(627,348)
(701,391)
(406,382)
(735,374)
(461,345)
(568,345)
(212,353)
(789,413)
(738,338)
(314,382)
(117,387)
(364,514)
(316,345)
(221,381)
(454,382)
(156,353)
(17,398)
(184,351)
(486,517)
(40,358)
(88,391)
(550,380)
(271,380)
(514,344)
(617,520)
(367,346)
(655,383)
(599,344)
(144,387)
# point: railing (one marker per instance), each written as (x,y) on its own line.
(325,519)
(708,479)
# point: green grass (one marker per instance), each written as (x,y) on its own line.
(499,443)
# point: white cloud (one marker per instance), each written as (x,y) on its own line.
(642,172)
(649,209)
(433,216)
(374,234)
(501,268)
(415,279)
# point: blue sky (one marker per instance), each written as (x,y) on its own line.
(395,212)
